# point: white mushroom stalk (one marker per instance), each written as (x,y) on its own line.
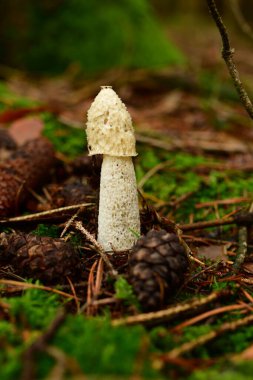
(110,132)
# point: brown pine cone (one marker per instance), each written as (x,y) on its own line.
(157,268)
(6,140)
(71,193)
(28,167)
(7,144)
(81,165)
(40,258)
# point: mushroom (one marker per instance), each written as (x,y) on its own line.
(110,132)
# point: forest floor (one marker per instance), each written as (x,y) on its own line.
(194,173)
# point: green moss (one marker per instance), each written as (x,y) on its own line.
(124,291)
(8,333)
(92,34)
(10,100)
(106,350)
(67,140)
(96,346)
(47,230)
(229,371)
(10,363)
(36,308)
(180,178)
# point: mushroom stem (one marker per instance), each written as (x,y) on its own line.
(118,219)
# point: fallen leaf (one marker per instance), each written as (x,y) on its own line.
(26,129)
(9,115)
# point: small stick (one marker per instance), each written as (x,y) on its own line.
(242,249)
(241,219)
(230,201)
(153,171)
(74,294)
(206,224)
(78,225)
(27,285)
(203,339)
(37,215)
(247,295)
(207,314)
(90,288)
(246,280)
(59,368)
(227,55)
(70,221)
(169,313)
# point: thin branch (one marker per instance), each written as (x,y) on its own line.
(27,285)
(206,224)
(43,214)
(242,219)
(70,221)
(153,171)
(207,314)
(165,315)
(227,55)
(203,339)
(242,249)
(78,226)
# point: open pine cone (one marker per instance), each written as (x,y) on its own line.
(42,258)
(157,268)
(27,168)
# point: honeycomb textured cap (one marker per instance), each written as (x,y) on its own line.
(109,126)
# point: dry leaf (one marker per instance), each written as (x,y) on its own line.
(26,129)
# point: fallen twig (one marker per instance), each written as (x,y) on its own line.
(169,313)
(78,226)
(230,201)
(203,339)
(242,248)
(26,285)
(70,221)
(74,294)
(207,314)
(153,171)
(242,219)
(38,215)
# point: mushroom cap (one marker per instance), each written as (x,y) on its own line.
(109,126)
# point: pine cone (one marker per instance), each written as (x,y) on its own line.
(6,141)
(81,165)
(70,194)
(157,268)
(7,145)
(27,168)
(42,258)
